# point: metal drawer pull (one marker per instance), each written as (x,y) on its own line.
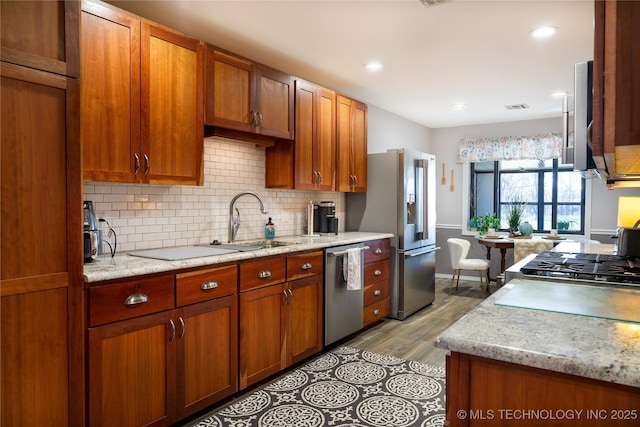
(182,325)
(264,274)
(377,292)
(306,266)
(136,299)
(378,251)
(376,311)
(377,273)
(173,330)
(211,284)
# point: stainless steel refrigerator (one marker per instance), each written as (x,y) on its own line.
(400,199)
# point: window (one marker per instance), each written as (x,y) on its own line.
(553,196)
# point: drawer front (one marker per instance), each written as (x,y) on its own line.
(376,292)
(207,284)
(262,272)
(304,265)
(378,250)
(110,303)
(376,311)
(377,272)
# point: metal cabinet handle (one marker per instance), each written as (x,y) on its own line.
(290,296)
(378,251)
(377,292)
(376,311)
(314,180)
(286,297)
(306,266)
(136,164)
(319,177)
(377,273)
(136,299)
(259,119)
(182,326)
(264,274)
(147,165)
(208,285)
(173,330)
(355,180)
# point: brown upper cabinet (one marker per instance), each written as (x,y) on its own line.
(308,163)
(142,100)
(247,97)
(616,105)
(351,123)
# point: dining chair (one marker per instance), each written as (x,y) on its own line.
(458,250)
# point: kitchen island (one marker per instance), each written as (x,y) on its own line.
(513,366)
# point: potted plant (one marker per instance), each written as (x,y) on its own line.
(485,222)
(514,216)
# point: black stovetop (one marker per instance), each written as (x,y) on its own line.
(598,267)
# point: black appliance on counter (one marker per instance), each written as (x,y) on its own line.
(92,236)
(325,221)
(594,268)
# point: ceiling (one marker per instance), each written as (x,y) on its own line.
(474,52)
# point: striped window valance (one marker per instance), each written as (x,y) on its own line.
(541,147)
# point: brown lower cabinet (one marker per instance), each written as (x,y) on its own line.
(484,392)
(280,323)
(158,368)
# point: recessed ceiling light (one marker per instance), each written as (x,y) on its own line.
(373,66)
(543,32)
(458,106)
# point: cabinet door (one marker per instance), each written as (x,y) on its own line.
(132,372)
(325,146)
(305,318)
(52,28)
(35,370)
(274,102)
(314,137)
(230,91)
(262,333)
(110,94)
(351,145)
(172,125)
(207,354)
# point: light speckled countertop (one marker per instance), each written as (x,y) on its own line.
(585,346)
(123,265)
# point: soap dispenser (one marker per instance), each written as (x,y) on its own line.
(269,230)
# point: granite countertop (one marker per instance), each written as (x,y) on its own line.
(123,265)
(590,347)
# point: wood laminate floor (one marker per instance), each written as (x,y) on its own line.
(414,337)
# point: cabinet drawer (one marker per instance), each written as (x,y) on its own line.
(206,284)
(376,292)
(303,265)
(377,272)
(110,303)
(378,249)
(376,311)
(262,272)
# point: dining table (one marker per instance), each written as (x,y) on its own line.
(503,243)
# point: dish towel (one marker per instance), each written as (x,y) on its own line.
(351,269)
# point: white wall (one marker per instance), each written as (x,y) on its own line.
(387,130)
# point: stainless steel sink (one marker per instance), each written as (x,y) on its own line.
(250,245)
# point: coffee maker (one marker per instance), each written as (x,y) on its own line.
(92,236)
(325,222)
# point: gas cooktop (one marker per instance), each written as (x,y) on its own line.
(594,267)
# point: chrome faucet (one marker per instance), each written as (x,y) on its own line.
(234,223)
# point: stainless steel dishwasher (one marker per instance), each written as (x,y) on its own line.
(343,308)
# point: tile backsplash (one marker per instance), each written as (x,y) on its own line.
(157,216)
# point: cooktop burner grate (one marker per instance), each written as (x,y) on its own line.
(600,267)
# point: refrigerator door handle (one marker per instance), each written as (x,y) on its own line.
(421,185)
(413,255)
